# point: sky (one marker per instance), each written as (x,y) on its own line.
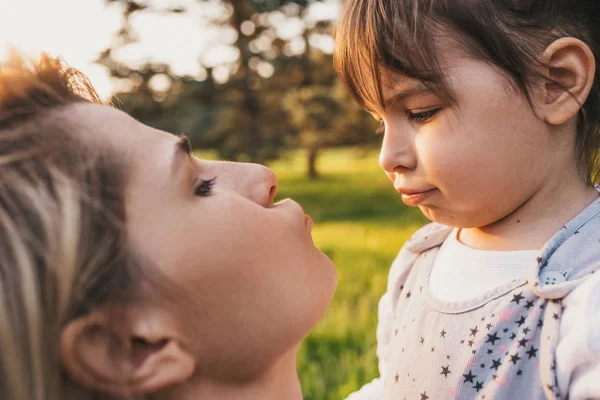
(78,30)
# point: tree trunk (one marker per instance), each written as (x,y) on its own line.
(313,154)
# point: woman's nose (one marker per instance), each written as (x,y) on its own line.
(258,183)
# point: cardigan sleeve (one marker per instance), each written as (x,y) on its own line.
(385,311)
(578,348)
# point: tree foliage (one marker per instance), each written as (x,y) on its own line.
(253,115)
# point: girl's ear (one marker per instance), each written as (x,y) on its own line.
(571,67)
(141,356)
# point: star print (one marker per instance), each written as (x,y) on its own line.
(532,352)
(482,365)
(494,377)
(478,386)
(443,333)
(519,372)
(408,295)
(492,339)
(471,343)
(555,316)
(529,305)
(526,331)
(462,342)
(396,378)
(490,351)
(505,330)
(469,377)
(540,323)
(515,358)
(424,396)
(446,371)
(489,326)
(496,364)
(474,331)
(538,259)
(482,319)
(517,298)
(473,352)
(448,357)
(520,321)
(506,315)
(422,340)
(513,336)
(432,349)
(523,342)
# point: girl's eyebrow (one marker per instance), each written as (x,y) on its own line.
(403,93)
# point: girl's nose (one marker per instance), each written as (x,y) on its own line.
(397,153)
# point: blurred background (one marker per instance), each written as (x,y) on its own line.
(251,80)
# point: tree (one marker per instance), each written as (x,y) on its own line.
(254,115)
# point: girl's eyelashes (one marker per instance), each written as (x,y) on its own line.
(204,188)
(423,116)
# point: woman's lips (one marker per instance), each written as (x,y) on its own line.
(308,221)
(414,197)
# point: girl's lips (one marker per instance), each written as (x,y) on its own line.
(415,198)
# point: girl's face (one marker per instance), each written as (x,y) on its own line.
(470,164)
(256,281)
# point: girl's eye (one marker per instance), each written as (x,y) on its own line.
(422,117)
(204,187)
(381,128)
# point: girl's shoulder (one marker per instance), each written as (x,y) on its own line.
(427,237)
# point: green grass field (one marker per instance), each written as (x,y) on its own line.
(361,223)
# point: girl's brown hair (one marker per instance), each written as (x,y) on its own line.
(63,249)
(400,36)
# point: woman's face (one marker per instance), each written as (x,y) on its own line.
(256,281)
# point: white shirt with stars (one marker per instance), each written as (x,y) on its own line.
(578,349)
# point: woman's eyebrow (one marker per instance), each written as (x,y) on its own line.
(183,147)
(184,144)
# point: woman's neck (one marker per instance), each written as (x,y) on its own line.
(531,225)
(279,382)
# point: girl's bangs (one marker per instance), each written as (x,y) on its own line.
(378,37)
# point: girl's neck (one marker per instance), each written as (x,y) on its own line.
(279,382)
(532,224)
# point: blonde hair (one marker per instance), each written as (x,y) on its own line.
(62,226)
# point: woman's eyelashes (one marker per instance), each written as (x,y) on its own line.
(381,128)
(205,186)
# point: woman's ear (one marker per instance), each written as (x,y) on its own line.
(124,356)
(571,67)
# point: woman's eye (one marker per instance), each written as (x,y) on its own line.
(422,117)
(204,187)
(381,128)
